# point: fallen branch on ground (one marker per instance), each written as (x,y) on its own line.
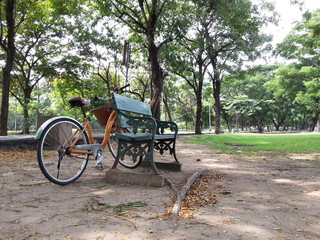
(184,191)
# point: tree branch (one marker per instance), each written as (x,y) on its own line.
(165,42)
(134,21)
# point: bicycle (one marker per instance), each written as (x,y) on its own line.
(65,145)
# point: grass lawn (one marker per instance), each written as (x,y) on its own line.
(287,142)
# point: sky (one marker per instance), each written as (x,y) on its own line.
(288,15)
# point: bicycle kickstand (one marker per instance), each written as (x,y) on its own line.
(99,157)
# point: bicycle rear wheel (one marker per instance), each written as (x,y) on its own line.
(55,160)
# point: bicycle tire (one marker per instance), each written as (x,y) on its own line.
(113,142)
(113,147)
(56,163)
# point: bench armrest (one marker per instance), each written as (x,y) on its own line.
(136,123)
(163,125)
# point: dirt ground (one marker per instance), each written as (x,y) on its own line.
(242,198)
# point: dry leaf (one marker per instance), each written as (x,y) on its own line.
(33,234)
(203,192)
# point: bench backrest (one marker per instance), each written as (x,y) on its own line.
(127,104)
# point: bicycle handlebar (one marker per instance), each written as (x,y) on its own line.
(121,90)
(101,99)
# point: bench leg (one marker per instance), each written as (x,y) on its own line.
(126,152)
(174,152)
(121,151)
(135,151)
(151,160)
(116,161)
(166,145)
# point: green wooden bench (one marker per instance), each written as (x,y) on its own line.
(145,134)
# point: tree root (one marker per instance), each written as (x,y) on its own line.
(171,184)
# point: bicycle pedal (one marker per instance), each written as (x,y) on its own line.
(99,166)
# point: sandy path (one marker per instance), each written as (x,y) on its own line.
(258,198)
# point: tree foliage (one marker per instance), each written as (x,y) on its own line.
(232,36)
(303,41)
(153,24)
(302,44)
(186,55)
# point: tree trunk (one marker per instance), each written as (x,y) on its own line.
(224,115)
(26,119)
(217,103)
(315,121)
(304,122)
(279,122)
(6,71)
(5,99)
(260,126)
(317,128)
(198,114)
(198,88)
(276,125)
(157,79)
(26,122)
(165,102)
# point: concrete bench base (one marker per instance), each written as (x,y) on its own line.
(171,166)
(126,177)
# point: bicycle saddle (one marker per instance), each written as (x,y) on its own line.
(78,101)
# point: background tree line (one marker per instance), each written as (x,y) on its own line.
(188,59)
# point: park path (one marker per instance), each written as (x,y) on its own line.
(256,198)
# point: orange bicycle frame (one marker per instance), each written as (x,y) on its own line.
(86,126)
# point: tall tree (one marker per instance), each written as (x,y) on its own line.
(7,36)
(283,87)
(190,60)
(153,26)
(38,42)
(302,44)
(49,44)
(245,102)
(232,35)
(310,98)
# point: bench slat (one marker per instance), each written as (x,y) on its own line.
(139,137)
(131,137)
(127,104)
(164,137)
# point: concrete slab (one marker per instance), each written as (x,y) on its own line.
(125,177)
(171,166)
(17,141)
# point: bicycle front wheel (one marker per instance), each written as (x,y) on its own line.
(57,163)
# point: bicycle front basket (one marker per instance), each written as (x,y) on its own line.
(102,113)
